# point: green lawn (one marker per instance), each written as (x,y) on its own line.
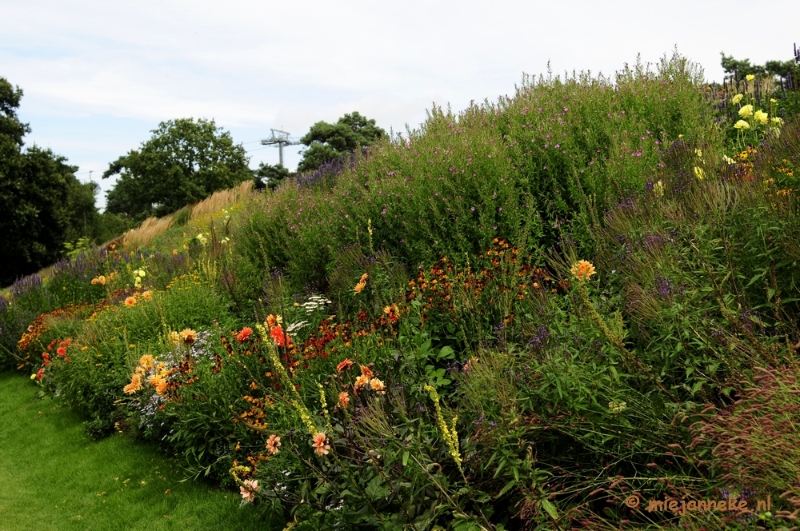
(52,476)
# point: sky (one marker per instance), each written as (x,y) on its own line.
(99,76)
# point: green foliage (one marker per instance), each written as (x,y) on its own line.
(327,142)
(183,162)
(269,176)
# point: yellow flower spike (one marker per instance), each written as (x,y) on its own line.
(449,434)
(658,189)
(699,173)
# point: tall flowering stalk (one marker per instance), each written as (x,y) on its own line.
(581,271)
(448,432)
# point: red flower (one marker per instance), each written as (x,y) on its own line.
(280,338)
(242,336)
(346,364)
(61,351)
(40,374)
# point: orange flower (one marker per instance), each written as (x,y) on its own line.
(346,364)
(392,312)
(130,301)
(360,287)
(280,338)
(360,382)
(377,386)
(582,270)
(319,442)
(273,443)
(344,399)
(135,385)
(364,277)
(188,336)
(242,336)
(147,361)
(147,295)
(365,371)
(61,351)
(273,320)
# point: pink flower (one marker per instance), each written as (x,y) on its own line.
(249,489)
(319,442)
(273,443)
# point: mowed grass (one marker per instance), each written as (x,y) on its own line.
(53,477)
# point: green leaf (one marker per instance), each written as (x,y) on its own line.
(550,508)
(405,458)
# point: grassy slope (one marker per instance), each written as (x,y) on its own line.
(53,477)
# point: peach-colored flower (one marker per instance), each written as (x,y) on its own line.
(273,320)
(188,336)
(377,386)
(344,399)
(360,382)
(135,385)
(582,270)
(147,295)
(360,287)
(147,361)
(273,443)
(130,301)
(319,442)
(392,312)
(344,365)
(249,489)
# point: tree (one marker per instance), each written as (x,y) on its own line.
(269,176)
(184,162)
(42,204)
(330,141)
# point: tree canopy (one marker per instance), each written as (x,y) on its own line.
(43,205)
(740,68)
(327,141)
(184,162)
(269,176)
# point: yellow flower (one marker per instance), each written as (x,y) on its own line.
(746,111)
(147,361)
(727,159)
(741,124)
(188,336)
(699,173)
(699,153)
(658,189)
(761,116)
(773,100)
(749,77)
(777,121)
(377,386)
(737,98)
(174,337)
(582,270)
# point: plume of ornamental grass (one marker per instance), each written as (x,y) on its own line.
(144,233)
(221,200)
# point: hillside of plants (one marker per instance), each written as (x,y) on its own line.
(572,308)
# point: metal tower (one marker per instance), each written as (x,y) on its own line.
(281,138)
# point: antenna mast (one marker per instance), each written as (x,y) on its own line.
(281,138)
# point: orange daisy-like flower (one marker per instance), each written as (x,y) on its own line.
(130,301)
(392,312)
(360,287)
(344,365)
(273,443)
(135,385)
(147,361)
(366,371)
(319,442)
(360,382)
(245,333)
(377,386)
(344,399)
(273,320)
(280,337)
(61,351)
(188,336)
(147,295)
(582,270)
